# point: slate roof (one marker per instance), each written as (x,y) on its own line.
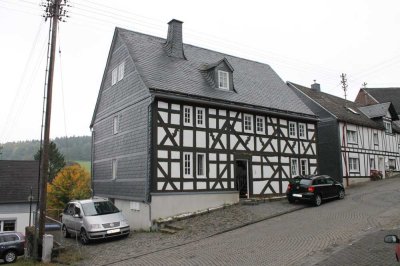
(376,110)
(384,95)
(16,179)
(255,83)
(339,107)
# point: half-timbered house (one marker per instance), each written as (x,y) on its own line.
(352,140)
(178,128)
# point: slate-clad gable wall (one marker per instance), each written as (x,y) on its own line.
(128,99)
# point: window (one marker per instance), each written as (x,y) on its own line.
(248,125)
(114,168)
(304,166)
(260,124)
(187,164)
(372,163)
(187,115)
(376,139)
(200,117)
(351,136)
(201,164)
(294,167)
(302,130)
(116,124)
(388,127)
(392,164)
(223,80)
(7,225)
(118,73)
(292,129)
(353,165)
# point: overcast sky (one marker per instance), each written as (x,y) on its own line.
(301,40)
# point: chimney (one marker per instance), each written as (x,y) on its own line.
(174,43)
(315,87)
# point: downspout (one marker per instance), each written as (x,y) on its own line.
(91,163)
(149,154)
(345,152)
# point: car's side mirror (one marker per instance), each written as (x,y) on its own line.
(391,239)
(77,215)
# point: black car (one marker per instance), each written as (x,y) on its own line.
(314,189)
(11,246)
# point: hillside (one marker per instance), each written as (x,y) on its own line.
(73,149)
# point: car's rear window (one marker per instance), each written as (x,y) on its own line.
(302,181)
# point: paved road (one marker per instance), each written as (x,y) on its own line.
(327,235)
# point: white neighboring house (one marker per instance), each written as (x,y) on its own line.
(353,140)
(16,180)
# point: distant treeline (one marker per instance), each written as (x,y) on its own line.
(73,149)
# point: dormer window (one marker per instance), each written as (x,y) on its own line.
(223,80)
(388,127)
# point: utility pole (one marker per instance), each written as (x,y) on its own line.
(54,9)
(344,130)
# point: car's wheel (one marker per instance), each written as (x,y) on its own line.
(84,237)
(341,194)
(317,200)
(65,232)
(10,256)
(291,199)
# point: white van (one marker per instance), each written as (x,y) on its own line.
(94,218)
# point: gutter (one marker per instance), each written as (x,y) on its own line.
(227,104)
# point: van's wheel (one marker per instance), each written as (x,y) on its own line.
(10,256)
(65,232)
(317,200)
(84,237)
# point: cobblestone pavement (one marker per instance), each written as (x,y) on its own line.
(247,235)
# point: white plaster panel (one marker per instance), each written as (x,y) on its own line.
(221,123)
(311,126)
(201,139)
(164,166)
(187,185)
(222,157)
(162,105)
(222,112)
(169,187)
(275,186)
(162,154)
(164,116)
(231,157)
(233,141)
(212,111)
(175,155)
(310,135)
(284,159)
(160,134)
(268,171)
(250,145)
(258,186)
(201,185)
(313,169)
(212,157)
(256,171)
(232,113)
(284,132)
(274,143)
(213,170)
(175,170)
(175,107)
(188,138)
(284,185)
(283,122)
(238,127)
(223,140)
(286,169)
(256,158)
(177,185)
(159,173)
(313,161)
(212,123)
(175,119)
(160,185)
(225,184)
(273,120)
(270,129)
(273,159)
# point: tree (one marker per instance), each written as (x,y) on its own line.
(72,182)
(56,160)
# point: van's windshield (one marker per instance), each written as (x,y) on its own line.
(99,208)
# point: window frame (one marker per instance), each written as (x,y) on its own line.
(203,165)
(390,161)
(354,161)
(3,220)
(292,133)
(114,76)
(302,133)
(249,125)
(372,164)
(376,138)
(294,162)
(260,130)
(190,166)
(350,138)
(306,172)
(388,127)
(190,117)
(202,124)
(116,124)
(121,71)
(221,78)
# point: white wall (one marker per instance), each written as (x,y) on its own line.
(137,213)
(18,212)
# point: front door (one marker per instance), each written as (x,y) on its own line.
(242,178)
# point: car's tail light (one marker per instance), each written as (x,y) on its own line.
(311,189)
(289,187)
